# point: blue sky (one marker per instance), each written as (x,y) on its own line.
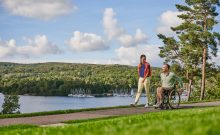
(85,31)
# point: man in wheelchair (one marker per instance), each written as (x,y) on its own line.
(168,81)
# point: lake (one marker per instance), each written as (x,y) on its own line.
(45,103)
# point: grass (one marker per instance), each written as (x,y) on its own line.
(3,116)
(199,101)
(91,119)
(196,121)
(15,127)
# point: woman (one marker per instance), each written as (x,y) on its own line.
(144,73)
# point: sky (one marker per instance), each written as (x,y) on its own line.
(86,31)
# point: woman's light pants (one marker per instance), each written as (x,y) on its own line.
(146,86)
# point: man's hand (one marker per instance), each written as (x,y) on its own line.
(181,91)
(143,80)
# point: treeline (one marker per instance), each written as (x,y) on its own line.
(212,81)
(60,79)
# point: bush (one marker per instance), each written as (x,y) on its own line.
(11,104)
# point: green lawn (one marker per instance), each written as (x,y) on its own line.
(198,121)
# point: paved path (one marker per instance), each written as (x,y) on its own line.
(59,118)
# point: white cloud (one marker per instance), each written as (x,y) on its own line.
(38,46)
(114,31)
(35,47)
(130,55)
(43,60)
(167,20)
(84,42)
(110,23)
(40,9)
(138,38)
(7,48)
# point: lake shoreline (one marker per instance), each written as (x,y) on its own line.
(3,116)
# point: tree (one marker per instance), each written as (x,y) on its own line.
(11,104)
(195,38)
(178,53)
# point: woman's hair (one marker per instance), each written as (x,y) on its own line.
(142,56)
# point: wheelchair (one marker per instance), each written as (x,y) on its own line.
(171,99)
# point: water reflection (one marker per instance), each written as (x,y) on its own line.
(42,103)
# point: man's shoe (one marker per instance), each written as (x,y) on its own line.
(133,104)
(156,105)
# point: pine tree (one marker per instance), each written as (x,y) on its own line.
(195,41)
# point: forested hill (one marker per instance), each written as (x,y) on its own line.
(64,78)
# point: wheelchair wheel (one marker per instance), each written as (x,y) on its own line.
(174,99)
